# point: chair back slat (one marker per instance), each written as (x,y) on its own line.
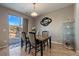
(32,37)
(23,36)
(45,34)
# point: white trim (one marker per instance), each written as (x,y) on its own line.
(4,46)
(56,42)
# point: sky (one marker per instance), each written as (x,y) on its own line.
(14,20)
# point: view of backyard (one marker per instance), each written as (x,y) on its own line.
(15,29)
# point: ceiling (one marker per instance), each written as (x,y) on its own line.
(41,8)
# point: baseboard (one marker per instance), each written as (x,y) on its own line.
(3,46)
(56,42)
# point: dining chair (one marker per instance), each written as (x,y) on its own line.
(25,40)
(34,42)
(45,35)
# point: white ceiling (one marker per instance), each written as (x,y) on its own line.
(41,8)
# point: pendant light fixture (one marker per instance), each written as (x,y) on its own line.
(34,14)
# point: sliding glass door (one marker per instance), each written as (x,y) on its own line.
(15,29)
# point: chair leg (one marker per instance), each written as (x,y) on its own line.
(26,46)
(29,48)
(35,49)
(47,43)
(22,43)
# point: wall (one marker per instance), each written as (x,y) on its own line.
(25,25)
(3,30)
(77,26)
(31,23)
(58,18)
(4,25)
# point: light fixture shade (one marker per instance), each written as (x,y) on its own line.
(34,14)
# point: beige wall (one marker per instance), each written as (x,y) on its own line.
(58,18)
(77,26)
(25,25)
(31,23)
(3,29)
(4,25)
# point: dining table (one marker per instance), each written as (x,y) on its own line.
(42,39)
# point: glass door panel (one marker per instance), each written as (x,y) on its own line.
(15,29)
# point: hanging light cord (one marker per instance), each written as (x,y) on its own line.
(34,6)
(34,12)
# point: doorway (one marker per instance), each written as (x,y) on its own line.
(15,29)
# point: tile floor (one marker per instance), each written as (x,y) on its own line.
(56,50)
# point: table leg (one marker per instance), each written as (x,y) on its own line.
(50,42)
(29,48)
(41,49)
(35,48)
